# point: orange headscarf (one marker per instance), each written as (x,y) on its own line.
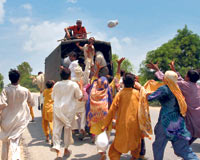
(170,80)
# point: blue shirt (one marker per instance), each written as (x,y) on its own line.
(172,121)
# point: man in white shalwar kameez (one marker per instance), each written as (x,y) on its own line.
(80,118)
(15,115)
(65,95)
(39,80)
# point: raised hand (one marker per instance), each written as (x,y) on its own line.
(172,67)
(62,67)
(120,61)
(98,65)
(153,66)
(119,64)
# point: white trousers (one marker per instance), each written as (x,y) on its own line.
(14,146)
(57,131)
(79,121)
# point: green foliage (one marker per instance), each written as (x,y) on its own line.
(184,49)
(1,82)
(25,80)
(126,64)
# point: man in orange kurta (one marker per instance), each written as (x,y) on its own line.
(128,133)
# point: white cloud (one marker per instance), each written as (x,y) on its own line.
(72,1)
(2,11)
(27,6)
(20,20)
(43,37)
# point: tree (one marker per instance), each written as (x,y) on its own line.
(25,80)
(126,64)
(184,49)
(1,82)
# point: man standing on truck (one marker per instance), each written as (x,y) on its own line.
(79,32)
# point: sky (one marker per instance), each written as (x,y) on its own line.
(29,29)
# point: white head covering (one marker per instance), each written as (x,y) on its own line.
(171,75)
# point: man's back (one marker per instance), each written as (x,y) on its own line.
(16,113)
(65,93)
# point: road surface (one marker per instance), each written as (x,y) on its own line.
(37,149)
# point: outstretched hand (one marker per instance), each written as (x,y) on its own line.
(77,43)
(120,61)
(98,66)
(172,66)
(62,67)
(153,66)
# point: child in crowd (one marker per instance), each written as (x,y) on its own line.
(65,95)
(47,113)
(15,115)
(128,134)
(31,112)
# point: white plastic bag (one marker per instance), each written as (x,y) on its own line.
(112,23)
(102,141)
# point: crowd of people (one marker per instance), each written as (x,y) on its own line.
(91,101)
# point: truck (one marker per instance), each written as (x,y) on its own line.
(54,60)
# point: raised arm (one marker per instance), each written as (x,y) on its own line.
(117,76)
(67,32)
(155,67)
(96,73)
(172,67)
(159,93)
(119,62)
(80,47)
(98,69)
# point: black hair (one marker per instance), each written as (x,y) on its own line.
(122,72)
(198,70)
(73,54)
(193,75)
(14,76)
(39,73)
(50,84)
(65,73)
(129,80)
(110,78)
